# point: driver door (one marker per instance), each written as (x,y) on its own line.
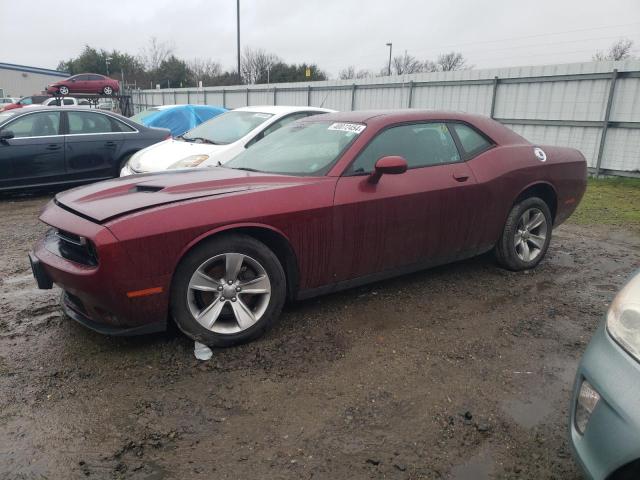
(420,217)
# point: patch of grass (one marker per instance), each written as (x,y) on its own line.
(610,201)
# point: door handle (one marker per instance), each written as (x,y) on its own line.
(54,147)
(460,177)
(110,144)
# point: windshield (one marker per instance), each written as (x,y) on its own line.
(139,117)
(305,148)
(227,128)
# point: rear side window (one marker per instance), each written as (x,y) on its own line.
(421,145)
(472,142)
(89,122)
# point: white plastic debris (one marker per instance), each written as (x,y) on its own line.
(201,351)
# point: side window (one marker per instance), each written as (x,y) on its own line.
(68,101)
(420,144)
(89,122)
(284,121)
(35,125)
(118,126)
(472,142)
(94,77)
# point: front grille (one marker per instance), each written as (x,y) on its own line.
(73,247)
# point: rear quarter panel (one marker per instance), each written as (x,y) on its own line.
(505,172)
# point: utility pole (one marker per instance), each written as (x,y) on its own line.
(390,45)
(238,34)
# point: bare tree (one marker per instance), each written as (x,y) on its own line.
(350,73)
(404,64)
(618,51)
(256,63)
(155,53)
(204,68)
(429,66)
(451,61)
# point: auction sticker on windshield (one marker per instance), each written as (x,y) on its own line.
(347,127)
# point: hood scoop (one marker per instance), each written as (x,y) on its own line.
(146,188)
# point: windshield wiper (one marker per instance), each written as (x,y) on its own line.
(201,139)
(247,169)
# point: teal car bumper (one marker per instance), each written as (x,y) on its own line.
(610,446)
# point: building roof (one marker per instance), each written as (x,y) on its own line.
(24,68)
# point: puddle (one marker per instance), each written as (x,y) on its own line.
(478,467)
(530,413)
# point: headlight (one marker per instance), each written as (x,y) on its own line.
(586,403)
(134,162)
(623,318)
(190,161)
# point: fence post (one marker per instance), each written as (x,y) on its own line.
(494,95)
(224,98)
(274,95)
(247,99)
(353,97)
(605,122)
(163,102)
(175,98)
(410,101)
(204,96)
(308,95)
(188,97)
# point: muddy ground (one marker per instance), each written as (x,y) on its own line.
(461,372)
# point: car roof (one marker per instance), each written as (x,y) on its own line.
(381,118)
(281,109)
(68,108)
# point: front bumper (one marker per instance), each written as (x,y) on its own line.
(100,296)
(612,436)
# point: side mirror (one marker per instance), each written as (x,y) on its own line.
(6,135)
(392,165)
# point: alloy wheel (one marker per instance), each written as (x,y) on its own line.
(531,234)
(229,293)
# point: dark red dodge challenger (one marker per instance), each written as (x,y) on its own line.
(325,203)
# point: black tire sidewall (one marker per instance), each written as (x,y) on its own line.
(235,243)
(506,251)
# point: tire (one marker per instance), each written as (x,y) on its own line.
(107,90)
(228,316)
(526,235)
(63,90)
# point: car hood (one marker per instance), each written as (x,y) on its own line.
(161,156)
(103,201)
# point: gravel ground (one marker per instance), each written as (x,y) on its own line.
(460,372)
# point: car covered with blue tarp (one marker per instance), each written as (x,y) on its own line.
(177,118)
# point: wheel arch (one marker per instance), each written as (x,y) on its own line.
(273,238)
(543,190)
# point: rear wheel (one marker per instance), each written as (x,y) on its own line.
(526,235)
(107,90)
(63,90)
(227,291)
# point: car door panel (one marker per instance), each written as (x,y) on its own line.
(420,216)
(91,150)
(36,155)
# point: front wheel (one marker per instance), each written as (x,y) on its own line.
(227,291)
(107,90)
(63,90)
(526,235)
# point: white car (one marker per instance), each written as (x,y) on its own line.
(218,140)
(64,102)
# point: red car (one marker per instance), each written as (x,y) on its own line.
(326,203)
(32,100)
(85,83)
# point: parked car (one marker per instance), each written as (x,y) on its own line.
(605,409)
(25,101)
(42,146)
(218,140)
(177,118)
(85,83)
(61,102)
(323,204)
(6,100)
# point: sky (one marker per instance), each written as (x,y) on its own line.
(331,33)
